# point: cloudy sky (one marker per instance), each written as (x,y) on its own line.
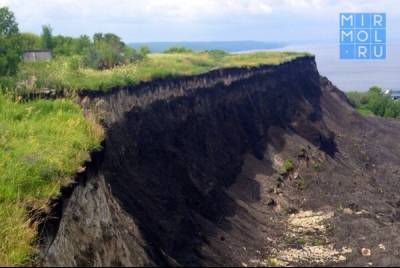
(199,20)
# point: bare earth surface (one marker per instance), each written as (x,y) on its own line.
(203,178)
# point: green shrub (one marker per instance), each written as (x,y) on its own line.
(316,165)
(74,64)
(272,262)
(30,41)
(375,102)
(287,166)
(176,50)
(144,51)
(109,51)
(217,54)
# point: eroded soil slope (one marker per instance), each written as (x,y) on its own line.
(270,166)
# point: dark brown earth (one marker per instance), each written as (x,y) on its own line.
(193,173)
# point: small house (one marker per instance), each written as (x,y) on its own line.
(394,94)
(36,55)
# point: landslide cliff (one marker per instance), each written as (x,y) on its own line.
(243,166)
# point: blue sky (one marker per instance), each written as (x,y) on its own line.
(199,20)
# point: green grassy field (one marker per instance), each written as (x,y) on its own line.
(63,74)
(42,143)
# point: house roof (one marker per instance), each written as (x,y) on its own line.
(37,50)
(395,93)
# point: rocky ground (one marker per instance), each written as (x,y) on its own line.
(339,210)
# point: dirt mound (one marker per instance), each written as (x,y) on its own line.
(270,168)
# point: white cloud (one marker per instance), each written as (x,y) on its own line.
(153,18)
(178,9)
(4,2)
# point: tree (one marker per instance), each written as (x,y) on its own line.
(108,51)
(8,24)
(97,37)
(144,51)
(47,37)
(376,102)
(63,45)
(82,44)
(30,41)
(10,51)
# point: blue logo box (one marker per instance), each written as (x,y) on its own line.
(363,36)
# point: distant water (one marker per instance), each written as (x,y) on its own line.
(229,46)
(356,74)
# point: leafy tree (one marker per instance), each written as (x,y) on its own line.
(63,45)
(68,46)
(30,41)
(131,54)
(10,51)
(91,58)
(108,51)
(97,37)
(10,55)
(47,37)
(82,44)
(144,51)
(8,24)
(110,48)
(375,101)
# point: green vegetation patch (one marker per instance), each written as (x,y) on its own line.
(375,102)
(65,73)
(42,143)
(287,167)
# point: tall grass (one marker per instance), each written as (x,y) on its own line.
(42,143)
(60,73)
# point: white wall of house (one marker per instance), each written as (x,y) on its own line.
(37,55)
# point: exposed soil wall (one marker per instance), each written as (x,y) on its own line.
(191,171)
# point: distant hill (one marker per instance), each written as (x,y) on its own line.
(229,46)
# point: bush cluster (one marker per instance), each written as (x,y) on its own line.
(376,102)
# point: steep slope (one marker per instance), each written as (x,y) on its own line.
(256,166)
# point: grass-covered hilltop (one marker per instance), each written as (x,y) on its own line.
(103,61)
(44,142)
(61,73)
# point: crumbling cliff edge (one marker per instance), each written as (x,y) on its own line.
(194,171)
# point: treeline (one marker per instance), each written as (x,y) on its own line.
(376,102)
(59,45)
(10,45)
(102,51)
